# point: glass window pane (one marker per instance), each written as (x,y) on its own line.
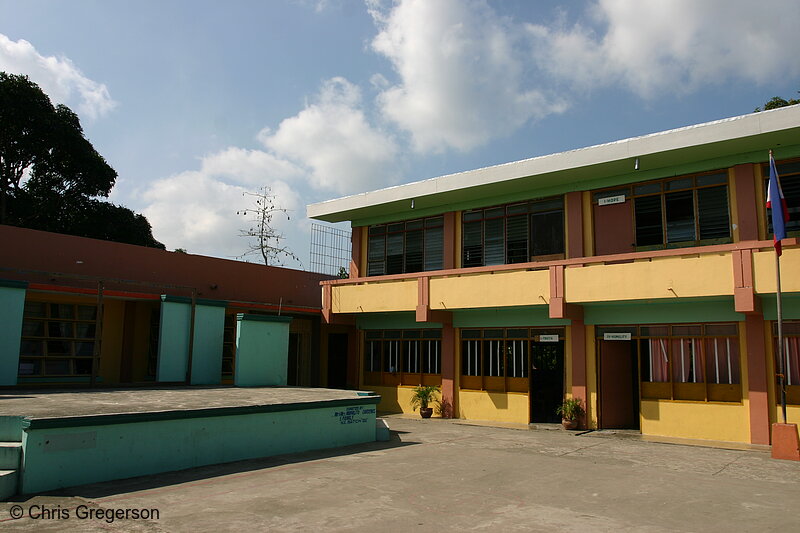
(411,357)
(680,331)
(647,188)
(391,356)
(59,348)
(517,209)
(431,357)
(473,215)
(84,330)
(722,360)
(720,330)
(434,222)
(712,208)
(547,233)
(470,358)
(470,333)
(87,312)
(495,212)
(83,367)
(473,244)
(552,204)
(31,347)
(434,248)
(62,311)
(56,367)
(413,224)
(33,328)
(84,348)
(412,334)
(654,355)
(59,329)
(682,183)
(377,230)
(679,208)
(35,309)
(712,179)
(517,239)
(687,366)
(494,241)
(649,230)
(30,367)
(413,252)
(394,253)
(397,227)
(654,331)
(493,358)
(517,358)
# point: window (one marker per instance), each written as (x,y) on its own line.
(498,359)
(690,362)
(791,359)
(403,247)
(57,340)
(684,211)
(229,346)
(516,233)
(403,357)
(789,176)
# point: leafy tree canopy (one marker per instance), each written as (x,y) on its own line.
(50,174)
(776,102)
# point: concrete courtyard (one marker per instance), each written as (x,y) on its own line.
(441,475)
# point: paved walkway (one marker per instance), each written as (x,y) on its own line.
(440,475)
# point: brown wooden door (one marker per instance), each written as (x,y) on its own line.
(613,228)
(619,390)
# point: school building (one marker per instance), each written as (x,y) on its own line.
(637,275)
(82,312)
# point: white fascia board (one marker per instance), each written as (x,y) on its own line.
(696,135)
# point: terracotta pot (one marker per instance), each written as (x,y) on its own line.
(426,412)
(569,424)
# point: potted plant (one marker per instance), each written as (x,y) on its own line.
(570,410)
(423,396)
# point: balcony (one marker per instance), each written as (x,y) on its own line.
(740,270)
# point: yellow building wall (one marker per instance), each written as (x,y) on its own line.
(591,377)
(495,406)
(375,297)
(696,420)
(764,271)
(672,277)
(395,399)
(490,290)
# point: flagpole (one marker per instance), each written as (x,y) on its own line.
(781,373)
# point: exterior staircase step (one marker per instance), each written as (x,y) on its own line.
(10,455)
(8,483)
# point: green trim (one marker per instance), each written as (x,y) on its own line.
(399,320)
(790,303)
(44,379)
(198,301)
(13,284)
(687,310)
(262,318)
(129,418)
(507,317)
(599,176)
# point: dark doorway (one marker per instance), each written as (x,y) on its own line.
(619,385)
(546,381)
(293,363)
(337,361)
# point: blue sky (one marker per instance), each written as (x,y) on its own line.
(196,102)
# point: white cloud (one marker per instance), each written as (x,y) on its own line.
(655,47)
(197,209)
(333,138)
(462,73)
(58,77)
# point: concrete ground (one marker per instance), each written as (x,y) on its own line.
(441,475)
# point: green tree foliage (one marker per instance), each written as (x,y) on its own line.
(776,101)
(50,174)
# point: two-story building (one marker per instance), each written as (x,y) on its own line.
(638,275)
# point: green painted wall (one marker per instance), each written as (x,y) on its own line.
(662,312)
(12,306)
(64,457)
(790,304)
(209,327)
(402,320)
(173,341)
(510,317)
(262,350)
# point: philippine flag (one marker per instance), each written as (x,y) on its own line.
(776,201)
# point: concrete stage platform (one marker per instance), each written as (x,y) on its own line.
(61,438)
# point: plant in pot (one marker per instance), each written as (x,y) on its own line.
(423,396)
(570,410)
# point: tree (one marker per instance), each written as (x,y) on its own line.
(776,101)
(50,174)
(268,240)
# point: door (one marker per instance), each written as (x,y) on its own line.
(337,361)
(546,381)
(613,228)
(619,385)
